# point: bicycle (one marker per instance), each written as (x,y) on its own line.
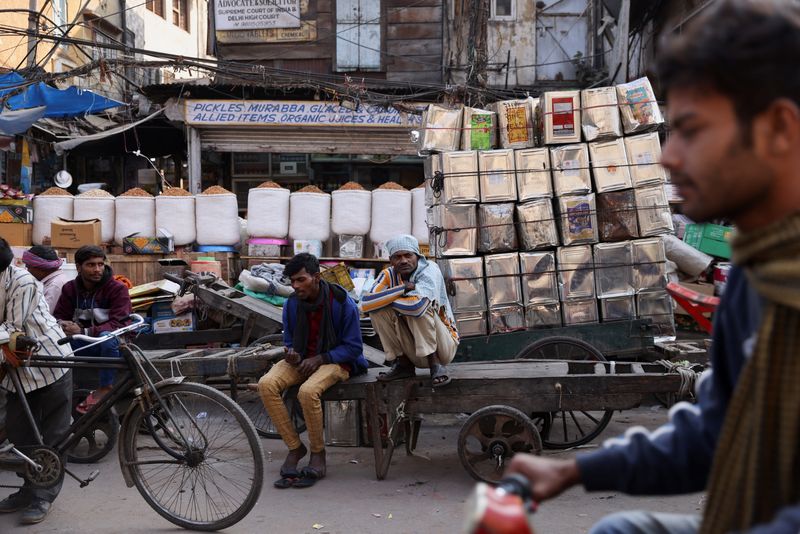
(191,452)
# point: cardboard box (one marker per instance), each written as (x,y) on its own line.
(17,234)
(148,245)
(75,234)
(177,323)
(712,239)
(16,211)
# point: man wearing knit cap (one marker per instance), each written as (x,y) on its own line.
(409,309)
(45,265)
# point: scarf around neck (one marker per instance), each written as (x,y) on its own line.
(755,468)
(327,335)
(429,283)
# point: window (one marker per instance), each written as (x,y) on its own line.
(180,14)
(101,52)
(358,35)
(156,6)
(503,9)
(60,13)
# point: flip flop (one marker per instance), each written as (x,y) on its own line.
(439,371)
(87,404)
(397,371)
(288,478)
(310,476)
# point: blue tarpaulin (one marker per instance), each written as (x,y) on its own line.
(59,103)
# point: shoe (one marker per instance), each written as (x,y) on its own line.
(13,503)
(401,368)
(36,511)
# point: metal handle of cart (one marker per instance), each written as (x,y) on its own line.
(138,322)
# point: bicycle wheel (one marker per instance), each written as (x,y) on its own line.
(211,479)
(98,440)
(251,403)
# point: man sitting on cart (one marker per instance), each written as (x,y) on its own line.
(92,304)
(410,312)
(322,339)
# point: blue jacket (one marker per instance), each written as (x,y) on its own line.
(344,314)
(676,458)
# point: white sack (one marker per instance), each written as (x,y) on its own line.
(391,214)
(134,215)
(97,208)
(268,212)
(217,219)
(352,210)
(177,216)
(47,209)
(310,216)
(419,212)
(689,260)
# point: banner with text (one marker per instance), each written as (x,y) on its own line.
(293,113)
(256,14)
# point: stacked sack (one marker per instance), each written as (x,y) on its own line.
(175,214)
(134,214)
(217,217)
(97,204)
(351,218)
(391,213)
(564,209)
(53,204)
(309,219)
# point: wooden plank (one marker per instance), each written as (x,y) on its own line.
(417,47)
(417,63)
(428,30)
(414,15)
(177,340)
(412,77)
(405,4)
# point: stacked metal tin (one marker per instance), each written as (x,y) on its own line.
(555,231)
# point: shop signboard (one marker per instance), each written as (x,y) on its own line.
(256,14)
(237,113)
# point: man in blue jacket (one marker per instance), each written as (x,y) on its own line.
(322,339)
(733,91)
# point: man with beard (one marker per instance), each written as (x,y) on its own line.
(733,91)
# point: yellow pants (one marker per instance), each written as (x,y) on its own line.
(413,337)
(284,375)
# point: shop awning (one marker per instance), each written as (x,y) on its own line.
(70,102)
(69,144)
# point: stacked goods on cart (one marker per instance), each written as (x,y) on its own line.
(567,229)
(16,216)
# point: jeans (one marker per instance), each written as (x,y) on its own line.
(647,523)
(106,349)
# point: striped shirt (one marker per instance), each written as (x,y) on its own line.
(24,309)
(390,290)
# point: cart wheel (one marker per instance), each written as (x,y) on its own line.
(567,429)
(491,436)
(251,403)
(97,441)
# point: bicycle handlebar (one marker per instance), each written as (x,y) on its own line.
(138,322)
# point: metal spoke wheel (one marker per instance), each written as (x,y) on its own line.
(491,436)
(98,441)
(251,403)
(567,429)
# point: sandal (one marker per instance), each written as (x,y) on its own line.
(439,376)
(399,370)
(88,403)
(310,476)
(288,478)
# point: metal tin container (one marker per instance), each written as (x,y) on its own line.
(575,272)
(441,129)
(562,117)
(454,231)
(480,129)
(543,315)
(536,224)
(657,306)
(502,279)
(579,311)
(600,118)
(644,155)
(539,279)
(534,177)
(616,216)
(571,175)
(506,319)
(342,423)
(498,182)
(609,165)
(638,106)
(516,122)
(577,216)
(613,264)
(622,308)
(460,184)
(653,211)
(496,229)
(471,324)
(464,281)
(649,264)
(431,165)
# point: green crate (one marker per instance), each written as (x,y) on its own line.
(713,239)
